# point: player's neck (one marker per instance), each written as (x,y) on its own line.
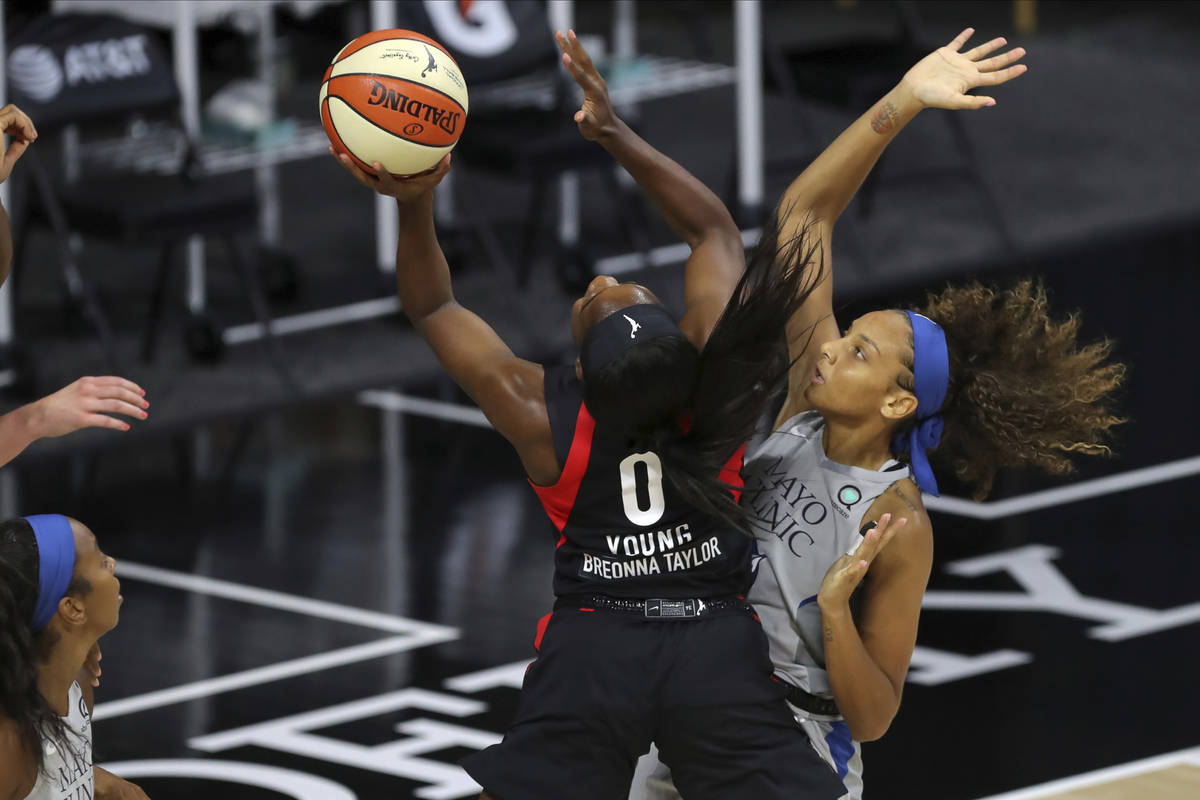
(855,445)
(56,675)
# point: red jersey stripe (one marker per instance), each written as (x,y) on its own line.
(541,630)
(559,499)
(731,473)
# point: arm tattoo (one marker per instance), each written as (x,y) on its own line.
(884,119)
(904,497)
(828,633)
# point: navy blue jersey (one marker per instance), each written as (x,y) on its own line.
(625,531)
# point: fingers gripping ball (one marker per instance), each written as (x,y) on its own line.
(395,97)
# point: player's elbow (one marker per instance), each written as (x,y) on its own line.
(872,725)
(870,731)
(713,226)
(722,230)
(868,734)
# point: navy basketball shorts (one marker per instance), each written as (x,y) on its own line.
(606,684)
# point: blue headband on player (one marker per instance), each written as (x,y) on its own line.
(931,376)
(56,563)
(612,336)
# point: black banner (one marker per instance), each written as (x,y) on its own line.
(75,67)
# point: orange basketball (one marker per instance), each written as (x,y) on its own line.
(395,97)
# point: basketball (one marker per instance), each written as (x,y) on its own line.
(396,97)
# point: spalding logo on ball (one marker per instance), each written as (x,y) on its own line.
(395,97)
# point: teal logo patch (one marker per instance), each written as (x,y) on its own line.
(849,495)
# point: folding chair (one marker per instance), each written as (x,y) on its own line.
(75,70)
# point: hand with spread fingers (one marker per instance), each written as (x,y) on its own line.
(404,189)
(595,117)
(17,125)
(943,78)
(86,403)
(847,572)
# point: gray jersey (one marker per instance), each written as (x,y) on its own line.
(67,772)
(808,511)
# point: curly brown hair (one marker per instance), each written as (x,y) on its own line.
(1022,391)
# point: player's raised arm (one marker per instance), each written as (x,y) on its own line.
(823,190)
(509,390)
(696,215)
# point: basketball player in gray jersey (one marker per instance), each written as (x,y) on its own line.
(978,379)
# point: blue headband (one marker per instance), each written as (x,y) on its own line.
(609,338)
(56,563)
(931,376)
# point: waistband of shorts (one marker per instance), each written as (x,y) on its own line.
(813,704)
(653,607)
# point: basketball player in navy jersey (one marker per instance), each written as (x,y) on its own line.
(634,451)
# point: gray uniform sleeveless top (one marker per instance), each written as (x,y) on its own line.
(67,773)
(808,511)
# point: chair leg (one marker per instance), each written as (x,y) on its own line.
(629,212)
(245,430)
(157,298)
(76,281)
(256,297)
(91,308)
(20,237)
(533,222)
(482,228)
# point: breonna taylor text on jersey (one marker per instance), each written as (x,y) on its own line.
(624,530)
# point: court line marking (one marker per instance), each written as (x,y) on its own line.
(411,635)
(957,506)
(408,697)
(506,675)
(1109,484)
(255,677)
(229,590)
(1190,756)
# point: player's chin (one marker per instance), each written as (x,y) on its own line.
(819,398)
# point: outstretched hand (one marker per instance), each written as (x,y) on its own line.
(848,571)
(16,124)
(595,117)
(86,403)
(405,189)
(943,78)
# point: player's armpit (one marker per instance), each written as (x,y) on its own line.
(509,390)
